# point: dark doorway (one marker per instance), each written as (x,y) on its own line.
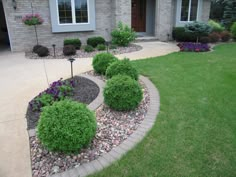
(4,39)
(139,15)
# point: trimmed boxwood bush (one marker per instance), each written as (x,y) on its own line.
(75,42)
(102,61)
(66,126)
(122,93)
(42,51)
(95,41)
(88,48)
(36,47)
(179,34)
(69,50)
(123,67)
(101,47)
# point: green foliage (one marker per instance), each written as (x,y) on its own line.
(204,40)
(229,13)
(180,35)
(214,37)
(123,35)
(88,48)
(45,99)
(233,30)
(122,93)
(69,50)
(198,28)
(216,27)
(101,47)
(102,61)
(75,42)
(95,41)
(42,51)
(66,126)
(225,36)
(122,67)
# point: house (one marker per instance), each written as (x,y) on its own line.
(86,18)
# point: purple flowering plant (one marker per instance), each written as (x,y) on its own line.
(193,47)
(57,91)
(32,19)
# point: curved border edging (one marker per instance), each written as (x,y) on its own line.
(92,106)
(116,153)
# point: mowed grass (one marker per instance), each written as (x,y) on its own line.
(195,131)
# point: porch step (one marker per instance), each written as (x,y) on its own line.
(146,39)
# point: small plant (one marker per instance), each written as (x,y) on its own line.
(88,48)
(214,37)
(95,41)
(225,36)
(42,51)
(198,28)
(193,47)
(123,35)
(75,42)
(69,50)
(36,47)
(216,27)
(101,47)
(122,67)
(122,93)
(181,35)
(204,40)
(102,61)
(57,91)
(66,126)
(233,30)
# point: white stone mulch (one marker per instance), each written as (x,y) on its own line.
(113,128)
(82,54)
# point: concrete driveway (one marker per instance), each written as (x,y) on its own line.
(21,79)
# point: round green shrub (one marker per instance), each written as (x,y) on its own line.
(233,30)
(95,41)
(122,67)
(216,27)
(66,126)
(101,47)
(88,48)
(75,42)
(102,61)
(122,93)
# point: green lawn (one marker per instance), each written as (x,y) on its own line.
(195,131)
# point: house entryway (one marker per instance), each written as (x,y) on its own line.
(4,38)
(143,17)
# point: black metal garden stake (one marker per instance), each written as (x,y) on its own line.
(71,62)
(107,45)
(54,50)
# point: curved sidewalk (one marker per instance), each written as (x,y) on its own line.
(22,79)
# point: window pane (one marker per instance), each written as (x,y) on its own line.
(194,7)
(184,10)
(65,11)
(81,11)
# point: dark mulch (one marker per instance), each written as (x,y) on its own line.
(85,91)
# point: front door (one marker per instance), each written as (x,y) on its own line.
(139,15)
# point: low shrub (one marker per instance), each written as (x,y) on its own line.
(42,51)
(193,47)
(57,91)
(95,41)
(66,126)
(101,47)
(214,37)
(69,50)
(225,36)
(180,35)
(75,42)
(36,47)
(233,30)
(216,27)
(204,40)
(123,35)
(122,67)
(88,48)
(102,61)
(122,93)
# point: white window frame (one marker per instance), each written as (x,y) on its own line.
(73,14)
(179,11)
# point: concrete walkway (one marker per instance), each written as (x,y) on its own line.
(21,80)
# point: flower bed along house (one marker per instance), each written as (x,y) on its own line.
(193,47)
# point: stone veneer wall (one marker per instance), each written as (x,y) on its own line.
(23,37)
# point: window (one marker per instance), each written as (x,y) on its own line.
(189,10)
(72,15)
(72,11)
